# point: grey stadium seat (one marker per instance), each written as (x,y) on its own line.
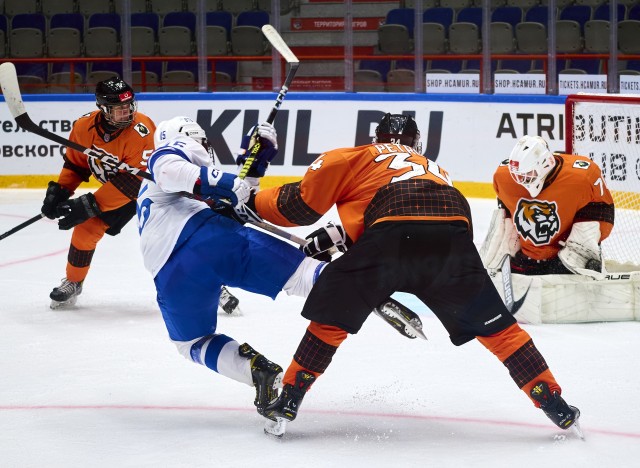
(178,81)
(368,81)
(401,81)
(434,38)
(568,37)
(464,38)
(394,39)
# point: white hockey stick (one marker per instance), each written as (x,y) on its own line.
(278,43)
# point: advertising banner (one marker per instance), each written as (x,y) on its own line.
(467,136)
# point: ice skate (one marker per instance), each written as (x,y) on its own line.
(228,302)
(403,319)
(266,375)
(66,294)
(562,414)
(288,403)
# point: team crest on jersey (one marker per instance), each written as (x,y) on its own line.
(537,220)
(580,164)
(100,171)
(141,129)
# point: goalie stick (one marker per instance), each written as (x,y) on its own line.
(278,43)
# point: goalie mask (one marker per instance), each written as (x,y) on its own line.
(169,129)
(117,101)
(399,129)
(530,162)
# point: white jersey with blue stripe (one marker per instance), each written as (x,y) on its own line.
(162,210)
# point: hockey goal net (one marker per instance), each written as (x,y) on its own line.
(606,128)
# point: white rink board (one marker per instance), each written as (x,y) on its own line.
(468,136)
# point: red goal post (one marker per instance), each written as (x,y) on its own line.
(606,128)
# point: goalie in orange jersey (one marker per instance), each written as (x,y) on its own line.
(410,231)
(116,129)
(554,211)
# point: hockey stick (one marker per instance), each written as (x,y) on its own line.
(11,90)
(19,227)
(276,41)
(13,97)
(510,303)
(505,268)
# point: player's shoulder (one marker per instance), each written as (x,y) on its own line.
(86,121)
(502,171)
(142,126)
(577,165)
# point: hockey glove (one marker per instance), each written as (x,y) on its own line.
(581,253)
(77,211)
(324,239)
(241,212)
(55,195)
(218,185)
(261,142)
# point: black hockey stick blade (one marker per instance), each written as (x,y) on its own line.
(19,227)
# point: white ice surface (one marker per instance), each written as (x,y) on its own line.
(102,386)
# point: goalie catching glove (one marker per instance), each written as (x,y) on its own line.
(322,240)
(261,143)
(581,253)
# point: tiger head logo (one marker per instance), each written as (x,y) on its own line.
(537,220)
(103,172)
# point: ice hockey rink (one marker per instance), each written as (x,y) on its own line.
(101,385)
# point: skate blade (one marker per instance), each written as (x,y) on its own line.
(63,304)
(275,428)
(409,328)
(577,430)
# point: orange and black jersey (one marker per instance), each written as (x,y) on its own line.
(368,184)
(573,191)
(132,145)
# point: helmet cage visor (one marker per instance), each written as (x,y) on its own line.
(119,115)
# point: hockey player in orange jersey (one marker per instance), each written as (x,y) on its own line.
(554,211)
(410,230)
(118,130)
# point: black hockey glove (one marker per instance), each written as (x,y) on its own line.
(77,210)
(242,213)
(323,239)
(55,195)
(261,142)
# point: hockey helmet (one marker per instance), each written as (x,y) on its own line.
(169,129)
(117,101)
(529,163)
(400,129)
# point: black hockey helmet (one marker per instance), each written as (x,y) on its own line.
(399,128)
(117,101)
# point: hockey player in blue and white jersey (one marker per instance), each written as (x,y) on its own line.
(191,251)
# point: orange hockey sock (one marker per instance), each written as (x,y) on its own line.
(315,351)
(84,240)
(516,350)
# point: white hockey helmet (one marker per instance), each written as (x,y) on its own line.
(529,163)
(169,129)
